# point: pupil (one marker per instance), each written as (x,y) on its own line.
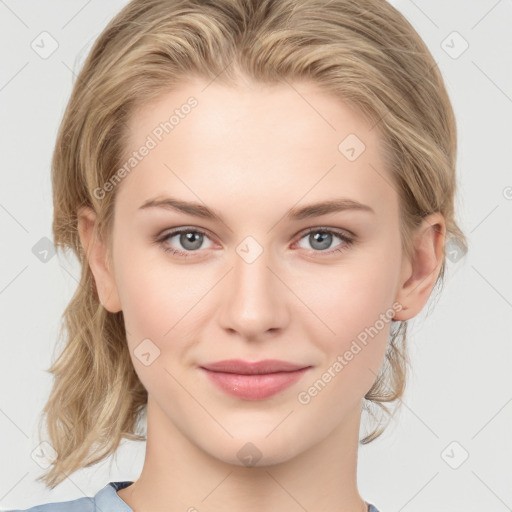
(323,238)
(192,238)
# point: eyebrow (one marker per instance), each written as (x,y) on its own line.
(299,213)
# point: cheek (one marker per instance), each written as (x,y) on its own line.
(161,302)
(144,303)
(355,309)
(155,293)
(353,297)
(155,303)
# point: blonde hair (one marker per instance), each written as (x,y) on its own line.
(363,51)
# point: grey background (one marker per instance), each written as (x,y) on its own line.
(459,391)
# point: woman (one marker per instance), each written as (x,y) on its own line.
(260,194)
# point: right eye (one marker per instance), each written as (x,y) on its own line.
(190,239)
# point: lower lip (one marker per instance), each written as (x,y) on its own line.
(254,387)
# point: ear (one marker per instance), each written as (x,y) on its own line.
(420,272)
(96,254)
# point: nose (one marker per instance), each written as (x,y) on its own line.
(253,297)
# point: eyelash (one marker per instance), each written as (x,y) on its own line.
(348,240)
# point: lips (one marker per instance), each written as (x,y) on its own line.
(253,380)
(241,367)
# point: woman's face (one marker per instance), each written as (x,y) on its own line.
(251,283)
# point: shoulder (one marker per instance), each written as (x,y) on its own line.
(78,505)
(105,497)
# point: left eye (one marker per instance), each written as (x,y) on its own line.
(323,241)
(192,240)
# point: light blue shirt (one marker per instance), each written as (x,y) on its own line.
(106,500)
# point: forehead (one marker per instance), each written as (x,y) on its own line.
(210,142)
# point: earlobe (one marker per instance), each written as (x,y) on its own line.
(96,256)
(421,272)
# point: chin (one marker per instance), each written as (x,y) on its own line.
(255,450)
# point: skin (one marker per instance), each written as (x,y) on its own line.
(252,153)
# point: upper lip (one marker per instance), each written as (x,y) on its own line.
(241,367)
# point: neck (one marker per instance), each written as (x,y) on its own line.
(179,476)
